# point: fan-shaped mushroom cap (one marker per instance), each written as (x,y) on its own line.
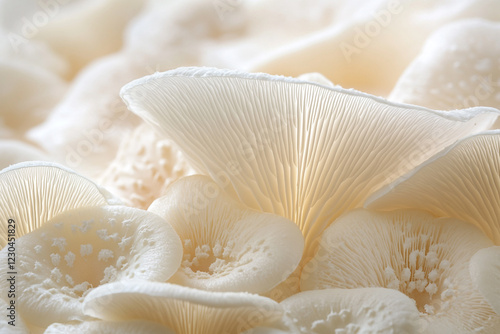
(78,250)
(185,310)
(14,151)
(460,182)
(17,325)
(31,193)
(458,67)
(227,246)
(424,257)
(146,164)
(109,327)
(485,272)
(370,310)
(289,147)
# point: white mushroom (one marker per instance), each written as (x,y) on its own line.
(458,67)
(372,42)
(185,310)
(227,246)
(289,147)
(109,327)
(15,151)
(78,250)
(460,182)
(424,257)
(146,164)
(28,94)
(31,193)
(485,272)
(369,310)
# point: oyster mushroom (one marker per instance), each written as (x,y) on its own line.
(424,257)
(31,193)
(485,272)
(369,310)
(372,43)
(458,67)
(109,327)
(286,146)
(184,310)
(146,164)
(227,246)
(461,182)
(61,261)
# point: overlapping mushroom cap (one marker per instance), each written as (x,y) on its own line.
(227,246)
(31,193)
(109,327)
(146,164)
(368,310)
(62,260)
(301,150)
(424,257)
(458,67)
(184,310)
(460,182)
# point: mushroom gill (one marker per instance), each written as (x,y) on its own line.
(184,310)
(290,147)
(31,193)
(227,246)
(78,250)
(460,182)
(424,257)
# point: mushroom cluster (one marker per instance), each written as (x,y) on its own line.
(191,167)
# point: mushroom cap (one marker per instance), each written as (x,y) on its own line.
(484,269)
(227,246)
(461,182)
(286,146)
(31,193)
(426,258)
(373,41)
(146,164)
(365,310)
(78,250)
(109,327)
(185,310)
(458,67)
(29,92)
(91,120)
(15,151)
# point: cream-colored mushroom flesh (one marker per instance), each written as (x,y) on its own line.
(184,310)
(78,250)
(458,67)
(289,147)
(485,272)
(424,257)
(146,164)
(369,310)
(109,327)
(15,151)
(31,193)
(227,246)
(460,182)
